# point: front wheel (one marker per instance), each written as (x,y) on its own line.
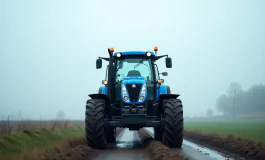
(96,135)
(172,134)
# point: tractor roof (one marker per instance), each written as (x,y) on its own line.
(126,53)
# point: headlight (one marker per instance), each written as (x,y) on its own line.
(143,93)
(141,98)
(124,93)
(126,98)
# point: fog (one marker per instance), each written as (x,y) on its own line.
(48,49)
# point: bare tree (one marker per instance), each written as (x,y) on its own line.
(24,124)
(60,115)
(232,91)
(59,121)
(223,104)
(5,126)
(54,124)
(245,103)
(209,112)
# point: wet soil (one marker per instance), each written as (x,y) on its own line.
(158,151)
(130,145)
(195,151)
(80,152)
(77,150)
(230,144)
(127,147)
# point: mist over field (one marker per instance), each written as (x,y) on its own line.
(48,50)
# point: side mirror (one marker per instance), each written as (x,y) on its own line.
(168,62)
(99,63)
(164,73)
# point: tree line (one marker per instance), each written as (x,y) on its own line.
(236,101)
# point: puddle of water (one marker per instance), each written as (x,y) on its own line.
(207,151)
(128,139)
(127,147)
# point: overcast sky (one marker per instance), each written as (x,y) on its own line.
(48,49)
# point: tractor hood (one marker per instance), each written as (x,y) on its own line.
(133,90)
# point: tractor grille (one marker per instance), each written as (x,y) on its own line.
(134,92)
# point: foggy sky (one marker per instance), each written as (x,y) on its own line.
(48,49)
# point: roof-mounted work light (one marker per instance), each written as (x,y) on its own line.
(118,55)
(148,54)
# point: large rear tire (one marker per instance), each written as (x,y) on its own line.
(172,134)
(96,135)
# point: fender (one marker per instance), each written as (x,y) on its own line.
(162,97)
(102,90)
(162,89)
(104,97)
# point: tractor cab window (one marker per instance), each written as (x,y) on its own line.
(130,67)
(135,67)
(157,72)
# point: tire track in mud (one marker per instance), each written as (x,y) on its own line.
(158,151)
(194,151)
(139,145)
(78,151)
(239,147)
(128,146)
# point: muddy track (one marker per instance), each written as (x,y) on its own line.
(140,145)
(237,147)
(130,145)
(194,151)
(78,151)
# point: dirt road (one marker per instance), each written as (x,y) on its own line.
(134,145)
(127,147)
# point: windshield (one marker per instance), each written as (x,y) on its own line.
(130,67)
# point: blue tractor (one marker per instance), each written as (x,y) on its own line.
(133,96)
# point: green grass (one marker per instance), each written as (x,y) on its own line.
(26,141)
(252,129)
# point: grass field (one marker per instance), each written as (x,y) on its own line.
(21,143)
(252,129)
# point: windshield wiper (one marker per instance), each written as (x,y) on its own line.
(118,65)
(138,64)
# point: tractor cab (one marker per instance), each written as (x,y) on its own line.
(136,76)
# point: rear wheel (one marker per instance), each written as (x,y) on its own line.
(172,134)
(96,135)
